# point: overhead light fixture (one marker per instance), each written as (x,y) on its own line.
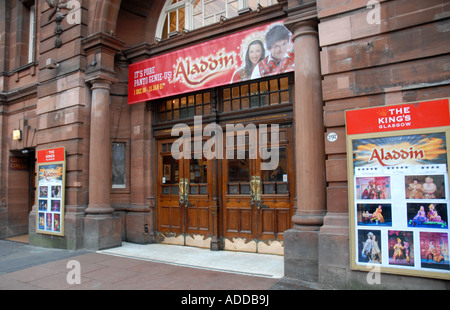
(17,134)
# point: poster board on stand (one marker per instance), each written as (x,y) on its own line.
(399,199)
(50,192)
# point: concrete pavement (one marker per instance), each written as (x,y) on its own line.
(138,267)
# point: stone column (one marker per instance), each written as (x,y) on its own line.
(301,242)
(101,228)
(100,149)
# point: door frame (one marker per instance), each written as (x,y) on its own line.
(197,217)
(255,235)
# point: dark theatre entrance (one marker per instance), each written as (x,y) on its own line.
(21,193)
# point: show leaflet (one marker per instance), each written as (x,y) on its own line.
(51,169)
(399,188)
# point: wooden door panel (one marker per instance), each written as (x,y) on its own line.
(164,218)
(238,222)
(231,219)
(170,218)
(246,221)
(197,219)
(274,222)
(268,219)
(283,220)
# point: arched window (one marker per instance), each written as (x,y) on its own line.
(182,15)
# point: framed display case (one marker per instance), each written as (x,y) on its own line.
(399,188)
(51,176)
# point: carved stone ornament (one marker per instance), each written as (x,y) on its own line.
(57,5)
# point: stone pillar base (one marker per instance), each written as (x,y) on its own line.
(102,232)
(139,227)
(334,250)
(301,255)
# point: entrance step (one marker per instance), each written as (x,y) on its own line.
(263,265)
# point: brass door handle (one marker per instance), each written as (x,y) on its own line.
(183,189)
(255,186)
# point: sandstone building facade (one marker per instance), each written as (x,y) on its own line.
(64,83)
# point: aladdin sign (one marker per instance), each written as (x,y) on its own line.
(383,156)
(258,52)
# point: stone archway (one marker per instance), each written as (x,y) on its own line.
(104,17)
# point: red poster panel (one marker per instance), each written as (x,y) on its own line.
(399,117)
(241,56)
(50,155)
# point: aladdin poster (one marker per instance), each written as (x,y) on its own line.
(50,192)
(399,196)
(262,51)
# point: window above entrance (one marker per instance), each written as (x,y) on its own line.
(265,93)
(186,15)
(256,94)
(185,107)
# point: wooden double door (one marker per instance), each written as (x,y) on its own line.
(233,202)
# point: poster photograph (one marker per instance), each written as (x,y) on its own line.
(399,191)
(369,242)
(429,215)
(370,214)
(51,184)
(373,188)
(401,248)
(434,251)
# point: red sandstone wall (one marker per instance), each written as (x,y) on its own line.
(18,99)
(404,58)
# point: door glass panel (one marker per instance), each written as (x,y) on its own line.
(170,175)
(239,173)
(198,171)
(198,177)
(275,181)
(238,169)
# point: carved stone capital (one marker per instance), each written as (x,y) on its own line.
(101,49)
